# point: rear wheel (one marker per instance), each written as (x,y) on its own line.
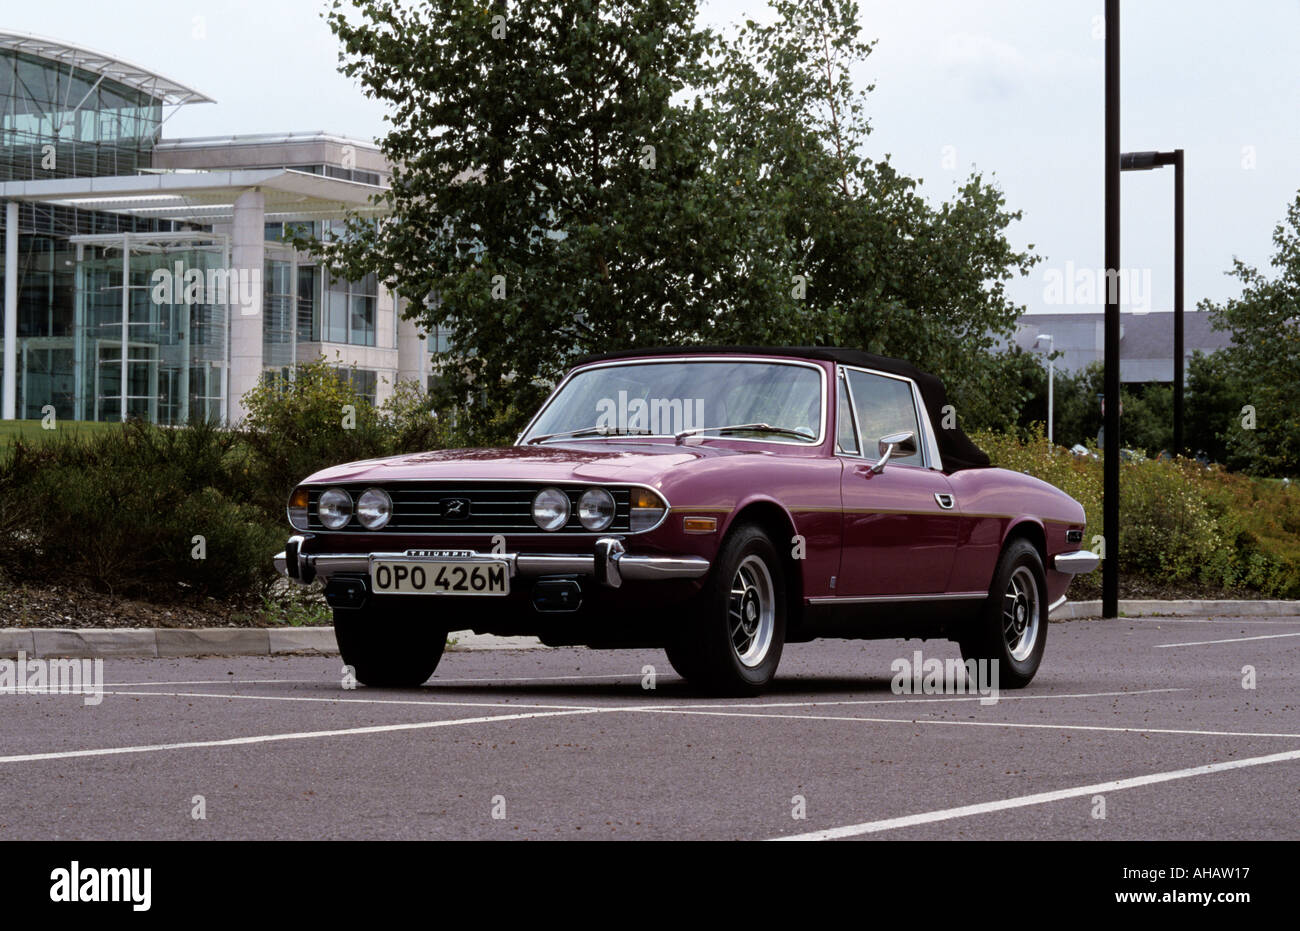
(1011,628)
(732,635)
(387,647)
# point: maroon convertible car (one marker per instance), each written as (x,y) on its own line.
(717,503)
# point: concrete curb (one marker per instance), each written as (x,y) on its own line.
(1152,608)
(170,642)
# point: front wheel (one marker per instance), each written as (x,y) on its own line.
(729,642)
(388,648)
(1011,628)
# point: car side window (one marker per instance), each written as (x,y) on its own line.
(884,406)
(846,436)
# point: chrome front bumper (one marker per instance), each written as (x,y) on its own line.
(609,564)
(1076,563)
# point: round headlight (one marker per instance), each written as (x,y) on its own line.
(374,508)
(551,509)
(334,509)
(596,509)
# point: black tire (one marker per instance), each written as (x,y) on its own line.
(388,648)
(730,644)
(1011,628)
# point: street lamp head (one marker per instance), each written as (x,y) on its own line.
(1041,338)
(1145,161)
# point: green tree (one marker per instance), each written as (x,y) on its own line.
(1213,402)
(1261,432)
(590,176)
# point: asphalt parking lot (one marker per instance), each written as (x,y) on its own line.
(1150,715)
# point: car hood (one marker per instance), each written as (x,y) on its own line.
(606,462)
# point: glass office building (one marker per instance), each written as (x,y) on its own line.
(149,278)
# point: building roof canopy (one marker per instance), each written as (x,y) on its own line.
(161,88)
(203,196)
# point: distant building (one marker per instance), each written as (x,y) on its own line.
(169,254)
(1146,346)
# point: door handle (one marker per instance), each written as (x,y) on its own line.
(946,501)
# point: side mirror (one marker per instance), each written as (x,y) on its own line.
(902,443)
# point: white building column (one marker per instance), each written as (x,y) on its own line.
(411,350)
(247,261)
(9,409)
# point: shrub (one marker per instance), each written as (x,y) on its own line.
(294,428)
(1179,521)
(141,511)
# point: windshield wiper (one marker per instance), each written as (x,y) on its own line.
(746,428)
(585,431)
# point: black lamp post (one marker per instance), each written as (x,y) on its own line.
(1145,161)
(1110,419)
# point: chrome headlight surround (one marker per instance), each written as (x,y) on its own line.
(374,509)
(596,509)
(334,508)
(551,509)
(296,509)
(648,510)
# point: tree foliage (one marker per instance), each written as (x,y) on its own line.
(589,176)
(1254,384)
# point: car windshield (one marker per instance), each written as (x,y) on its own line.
(775,401)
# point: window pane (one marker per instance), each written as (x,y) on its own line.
(336,329)
(363,321)
(308,305)
(847,436)
(884,406)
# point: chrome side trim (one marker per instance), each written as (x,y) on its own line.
(895,599)
(1078,562)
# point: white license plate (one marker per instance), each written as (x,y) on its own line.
(436,577)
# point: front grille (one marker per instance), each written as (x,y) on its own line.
(494,507)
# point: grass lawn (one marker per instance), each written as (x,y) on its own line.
(33,432)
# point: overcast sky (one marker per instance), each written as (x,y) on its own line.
(1012,88)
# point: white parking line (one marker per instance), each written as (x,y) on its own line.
(301,735)
(228,681)
(667,709)
(1040,798)
(1202,643)
(616,675)
(1230,621)
(899,701)
(434,703)
(708,706)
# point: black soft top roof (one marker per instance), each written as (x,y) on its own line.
(955,447)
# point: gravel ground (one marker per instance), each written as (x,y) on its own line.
(45,605)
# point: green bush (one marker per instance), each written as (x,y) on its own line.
(119,509)
(1179,521)
(138,511)
(294,428)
